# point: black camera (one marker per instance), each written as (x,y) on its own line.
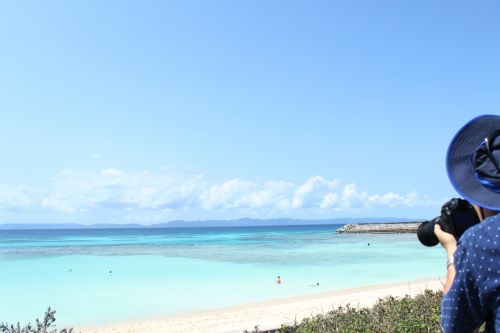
(457,215)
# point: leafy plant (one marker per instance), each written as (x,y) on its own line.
(40,327)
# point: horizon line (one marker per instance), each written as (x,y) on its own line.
(209,223)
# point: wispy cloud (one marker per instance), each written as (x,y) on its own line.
(18,197)
(76,190)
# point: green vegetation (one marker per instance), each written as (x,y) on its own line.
(45,326)
(419,314)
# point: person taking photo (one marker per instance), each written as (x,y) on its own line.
(472,287)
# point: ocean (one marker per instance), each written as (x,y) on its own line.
(104,276)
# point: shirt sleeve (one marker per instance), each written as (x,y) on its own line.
(462,310)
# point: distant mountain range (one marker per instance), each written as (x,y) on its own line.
(244,222)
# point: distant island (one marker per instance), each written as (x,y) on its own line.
(244,222)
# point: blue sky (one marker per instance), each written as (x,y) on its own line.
(127,111)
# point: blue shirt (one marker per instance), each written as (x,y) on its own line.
(474,296)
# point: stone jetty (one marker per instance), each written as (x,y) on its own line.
(382,228)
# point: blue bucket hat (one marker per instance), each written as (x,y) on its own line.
(473,162)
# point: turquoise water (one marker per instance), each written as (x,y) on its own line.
(167,271)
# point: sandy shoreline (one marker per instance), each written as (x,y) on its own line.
(269,314)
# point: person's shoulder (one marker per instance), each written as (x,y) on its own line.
(491,224)
(482,236)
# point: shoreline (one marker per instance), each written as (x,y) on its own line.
(268,314)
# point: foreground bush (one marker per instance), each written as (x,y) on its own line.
(420,314)
(40,327)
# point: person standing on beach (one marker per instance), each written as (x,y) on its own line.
(472,287)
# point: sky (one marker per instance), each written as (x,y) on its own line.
(145,112)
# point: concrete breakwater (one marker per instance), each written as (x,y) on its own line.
(386,228)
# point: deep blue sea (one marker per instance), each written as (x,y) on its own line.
(102,276)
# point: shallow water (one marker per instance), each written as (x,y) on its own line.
(167,271)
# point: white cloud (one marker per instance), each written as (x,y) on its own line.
(74,190)
(243,194)
(17,197)
(230,194)
(352,198)
(112,172)
(311,193)
(168,194)
(272,194)
(330,200)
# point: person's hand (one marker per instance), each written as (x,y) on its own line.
(446,239)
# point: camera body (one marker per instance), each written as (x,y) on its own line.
(457,215)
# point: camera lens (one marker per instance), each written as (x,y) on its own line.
(425,233)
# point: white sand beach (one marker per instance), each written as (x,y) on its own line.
(270,314)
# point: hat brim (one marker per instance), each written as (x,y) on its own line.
(459,162)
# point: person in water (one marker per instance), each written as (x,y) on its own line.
(278,280)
